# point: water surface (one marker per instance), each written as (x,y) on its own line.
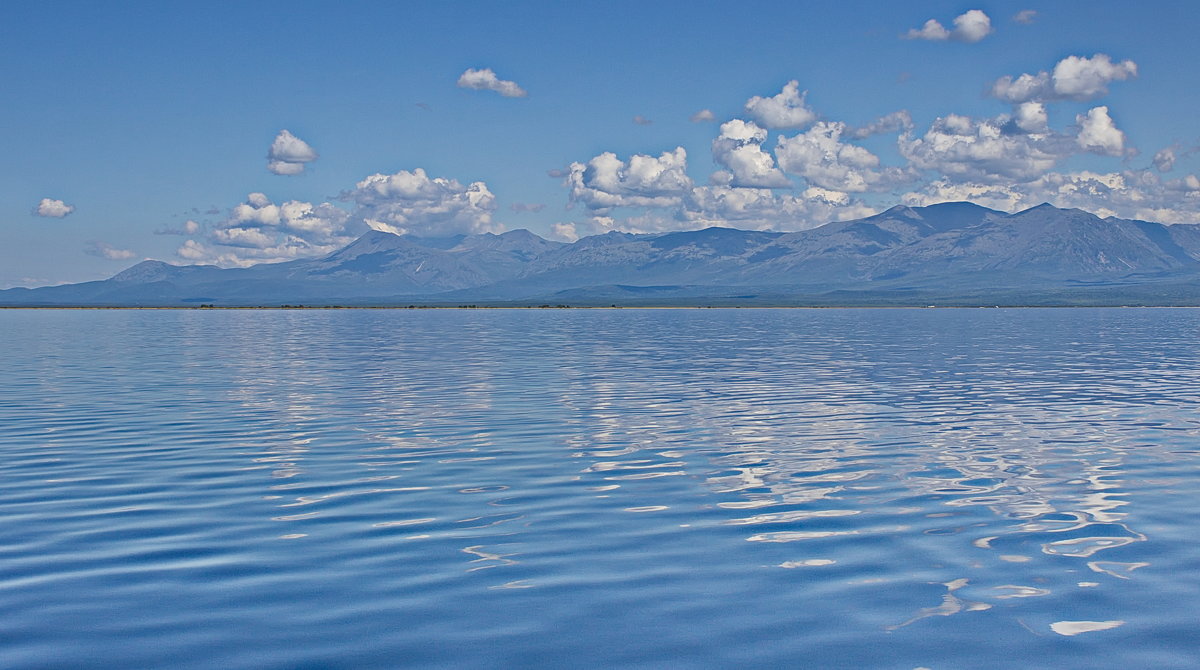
(586,488)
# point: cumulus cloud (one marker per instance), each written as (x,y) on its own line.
(745,208)
(411,202)
(1073,78)
(1031,117)
(966,148)
(970,26)
(1098,134)
(55,209)
(1025,16)
(888,123)
(191,250)
(1084,78)
(486,80)
(1129,194)
(660,187)
(247,238)
(106,250)
(1164,159)
(318,224)
(785,110)
(566,232)
(933,30)
(764,209)
(739,149)
(641,120)
(824,160)
(288,154)
(259,230)
(702,116)
(285,169)
(605,181)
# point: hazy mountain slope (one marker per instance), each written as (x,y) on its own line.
(1043,245)
(903,254)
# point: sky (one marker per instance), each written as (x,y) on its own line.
(237,133)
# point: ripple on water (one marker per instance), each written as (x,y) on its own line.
(943,488)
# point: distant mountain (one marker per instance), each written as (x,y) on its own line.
(951,253)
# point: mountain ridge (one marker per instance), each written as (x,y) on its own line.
(903,255)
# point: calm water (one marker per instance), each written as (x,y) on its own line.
(570,488)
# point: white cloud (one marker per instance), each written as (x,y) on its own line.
(702,116)
(970,26)
(248,238)
(288,154)
(1164,159)
(1098,134)
(285,169)
(486,80)
(971,149)
(933,30)
(259,230)
(564,231)
(1025,16)
(413,203)
(1085,78)
(1074,78)
(739,148)
(820,156)
(1031,117)
(889,123)
(1024,88)
(764,209)
(785,110)
(605,181)
(55,209)
(106,250)
(193,251)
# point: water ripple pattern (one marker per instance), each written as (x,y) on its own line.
(984,488)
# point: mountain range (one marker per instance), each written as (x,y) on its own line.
(947,254)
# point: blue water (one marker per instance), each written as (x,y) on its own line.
(978,488)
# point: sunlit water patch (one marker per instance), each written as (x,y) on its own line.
(596,488)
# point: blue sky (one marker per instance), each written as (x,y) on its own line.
(142,130)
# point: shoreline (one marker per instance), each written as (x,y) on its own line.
(208,308)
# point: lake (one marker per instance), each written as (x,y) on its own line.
(838,488)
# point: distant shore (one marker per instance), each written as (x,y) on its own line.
(207,308)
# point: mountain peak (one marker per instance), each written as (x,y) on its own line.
(1065,213)
(1044,207)
(144,272)
(898,211)
(955,206)
(945,216)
